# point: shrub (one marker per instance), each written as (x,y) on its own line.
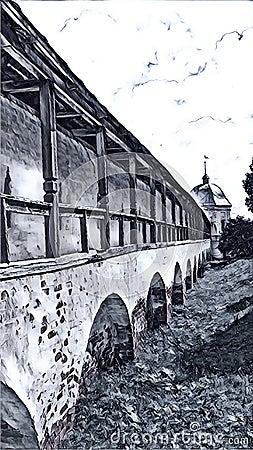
(237,239)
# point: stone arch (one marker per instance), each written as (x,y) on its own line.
(188,278)
(17,428)
(110,341)
(156,303)
(177,297)
(194,273)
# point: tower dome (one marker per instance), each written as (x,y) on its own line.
(215,203)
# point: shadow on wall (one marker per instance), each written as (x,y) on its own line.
(156,303)
(188,279)
(17,429)
(110,341)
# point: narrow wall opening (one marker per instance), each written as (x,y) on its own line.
(156,303)
(17,428)
(188,278)
(110,341)
(177,297)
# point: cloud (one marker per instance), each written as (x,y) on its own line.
(177,74)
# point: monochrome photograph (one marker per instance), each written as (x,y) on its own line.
(126,225)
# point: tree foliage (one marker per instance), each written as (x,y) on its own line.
(248,186)
(237,238)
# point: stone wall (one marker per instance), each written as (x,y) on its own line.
(21,149)
(21,175)
(48,314)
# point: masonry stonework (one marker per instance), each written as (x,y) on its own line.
(48,318)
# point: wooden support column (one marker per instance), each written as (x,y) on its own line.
(164,213)
(152,207)
(84,234)
(103,189)
(144,232)
(5,255)
(50,167)
(121,231)
(133,202)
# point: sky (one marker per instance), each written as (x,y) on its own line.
(177,74)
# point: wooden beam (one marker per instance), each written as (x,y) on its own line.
(117,140)
(50,166)
(16,87)
(5,253)
(144,232)
(142,172)
(133,201)
(76,106)
(121,231)
(119,158)
(19,57)
(103,188)
(84,233)
(142,160)
(83,133)
(152,207)
(117,154)
(164,211)
(132,182)
(67,115)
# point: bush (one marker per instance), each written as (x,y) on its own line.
(237,239)
(248,186)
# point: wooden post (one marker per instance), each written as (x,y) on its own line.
(144,232)
(164,213)
(121,231)
(158,230)
(152,207)
(50,168)
(181,223)
(103,189)
(173,210)
(84,234)
(168,233)
(133,203)
(5,255)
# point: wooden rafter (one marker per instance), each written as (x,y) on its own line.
(21,86)
(67,115)
(83,133)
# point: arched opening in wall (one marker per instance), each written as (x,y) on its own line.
(110,341)
(177,297)
(188,278)
(156,303)
(194,273)
(17,428)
